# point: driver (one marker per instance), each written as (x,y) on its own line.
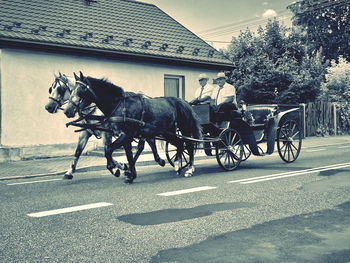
(204,91)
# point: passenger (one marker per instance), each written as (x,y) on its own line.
(223,99)
(203,92)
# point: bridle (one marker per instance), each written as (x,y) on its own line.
(77,104)
(59,102)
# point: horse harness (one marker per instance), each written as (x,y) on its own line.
(103,119)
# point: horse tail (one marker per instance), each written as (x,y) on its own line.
(188,121)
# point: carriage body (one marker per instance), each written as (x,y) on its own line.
(235,140)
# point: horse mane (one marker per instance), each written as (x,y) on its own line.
(108,86)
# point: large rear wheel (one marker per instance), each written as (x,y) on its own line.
(229,150)
(289,140)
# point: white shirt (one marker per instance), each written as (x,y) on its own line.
(221,95)
(207,91)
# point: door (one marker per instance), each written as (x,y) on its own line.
(174,86)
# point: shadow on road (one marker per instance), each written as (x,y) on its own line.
(179,214)
(322,236)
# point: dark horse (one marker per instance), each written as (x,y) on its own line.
(59,94)
(136,116)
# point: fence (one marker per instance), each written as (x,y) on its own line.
(322,118)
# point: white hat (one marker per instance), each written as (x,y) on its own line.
(221,75)
(202,76)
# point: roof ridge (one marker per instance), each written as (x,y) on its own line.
(118,26)
(138,2)
(182,27)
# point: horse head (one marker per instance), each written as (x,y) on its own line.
(59,93)
(91,90)
(80,97)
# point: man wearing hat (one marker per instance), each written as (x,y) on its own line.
(223,100)
(204,91)
(224,92)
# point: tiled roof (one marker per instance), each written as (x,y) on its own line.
(117,26)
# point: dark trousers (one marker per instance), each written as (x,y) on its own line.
(224,112)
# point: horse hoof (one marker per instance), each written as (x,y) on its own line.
(68,177)
(162,163)
(179,172)
(188,174)
(128,180)
(117,173)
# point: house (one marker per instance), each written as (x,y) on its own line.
(135,45)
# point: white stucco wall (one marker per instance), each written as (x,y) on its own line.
(26,77)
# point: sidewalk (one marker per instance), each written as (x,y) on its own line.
(59,165)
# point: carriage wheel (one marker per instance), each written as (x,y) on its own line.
(289,141)
(246,152)
(229,150)
(170,152)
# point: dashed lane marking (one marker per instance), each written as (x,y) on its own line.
(186,191)
(68,209)
(34,182)
(347,146)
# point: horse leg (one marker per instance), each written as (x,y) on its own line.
(152,143)
(190,170)
(179,149)
(107,141)
(131,174)
(83,139)
(140,147)
(109,149)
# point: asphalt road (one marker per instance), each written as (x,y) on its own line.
(266,211)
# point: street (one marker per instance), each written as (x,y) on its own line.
(265,211)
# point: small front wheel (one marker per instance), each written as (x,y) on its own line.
(246,152)
(289,140)
(229,150)
(170,152)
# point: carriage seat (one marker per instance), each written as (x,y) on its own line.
(260,114)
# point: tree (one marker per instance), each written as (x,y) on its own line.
(272,66)
(327,26)
(336,88)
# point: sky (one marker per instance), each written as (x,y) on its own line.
(216,21)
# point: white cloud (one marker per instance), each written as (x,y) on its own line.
(269,13)
(265,3)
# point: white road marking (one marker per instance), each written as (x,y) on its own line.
(340,147)
(315,150)
(289,174)
(68,209)
(34,182)
(185,191)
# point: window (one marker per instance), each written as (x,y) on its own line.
(174,86)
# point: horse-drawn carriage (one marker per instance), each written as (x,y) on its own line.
(235,140)
(129,115)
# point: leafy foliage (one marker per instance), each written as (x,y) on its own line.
(326,24)
(336,88)
(272,66)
